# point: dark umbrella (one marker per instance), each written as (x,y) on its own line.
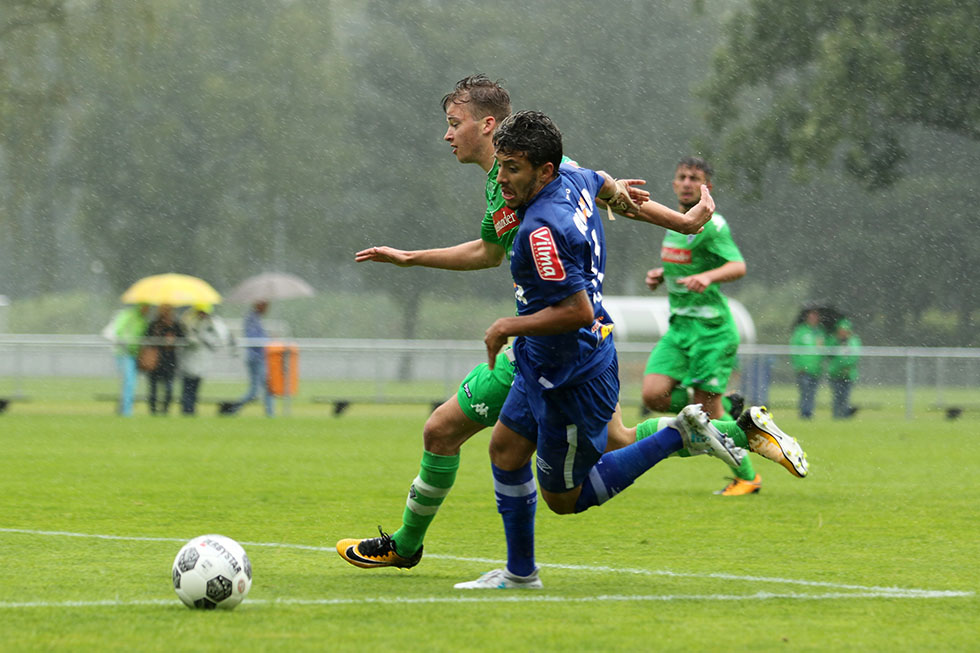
(829,315)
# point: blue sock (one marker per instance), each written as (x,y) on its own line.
(517,499)
(616,470)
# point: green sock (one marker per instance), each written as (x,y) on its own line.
(730,428)
(436,477)
(679,397)
(726,405)
(654,424)
(745,471)
(647,428)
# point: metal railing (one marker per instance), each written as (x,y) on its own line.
(388,370)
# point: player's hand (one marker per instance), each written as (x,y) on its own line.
(703,210)
(494,339)
(638,195)
(383,255)
(627,198)
(654,278)
(695,283)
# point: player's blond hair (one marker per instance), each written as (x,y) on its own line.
(483,96)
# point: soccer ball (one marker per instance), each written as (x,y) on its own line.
(212,571)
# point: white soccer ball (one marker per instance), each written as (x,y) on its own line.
(212,571)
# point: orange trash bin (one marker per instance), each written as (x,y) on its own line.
(282,363)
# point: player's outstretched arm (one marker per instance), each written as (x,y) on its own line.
(384,255)
(473,255)
(686,223)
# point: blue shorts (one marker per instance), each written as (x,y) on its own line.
(571,425)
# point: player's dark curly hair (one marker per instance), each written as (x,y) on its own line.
(697,163)
(485,97)
(532,134)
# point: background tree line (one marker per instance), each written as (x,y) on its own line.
(223,138)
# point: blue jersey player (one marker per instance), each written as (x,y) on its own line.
(567,380)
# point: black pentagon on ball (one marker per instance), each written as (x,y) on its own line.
(248,565)
(176,578)
(204,604)
(219,589)
(188,558)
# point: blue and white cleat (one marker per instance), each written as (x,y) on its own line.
(501,579)
(701,436)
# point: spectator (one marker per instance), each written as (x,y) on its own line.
(127,331)
(166,334)
(807,339)
(255,363)
(842,368)
(205,333)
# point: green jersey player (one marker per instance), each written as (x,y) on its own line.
(473,110)
(696,356)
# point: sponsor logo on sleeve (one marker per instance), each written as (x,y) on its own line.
(504,219)
(675,255)
(545,254)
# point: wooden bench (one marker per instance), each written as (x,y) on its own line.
(342,404)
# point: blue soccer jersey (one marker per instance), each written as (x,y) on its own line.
(560,250)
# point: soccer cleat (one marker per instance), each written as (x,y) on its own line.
(501,579)
(739,487)
(701,436)
(375,552)
(768,440)
(738,404)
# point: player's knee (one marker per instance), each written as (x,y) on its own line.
(656,399)
(560,504)
(500,455)
(507,457)
(440,439)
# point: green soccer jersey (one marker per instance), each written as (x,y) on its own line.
(499,222)
(687,254)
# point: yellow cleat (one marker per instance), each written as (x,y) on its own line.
(739,487)
(769,441)
(375,552)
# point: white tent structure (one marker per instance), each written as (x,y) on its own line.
(645,319)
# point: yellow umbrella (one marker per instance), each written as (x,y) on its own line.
(173,289)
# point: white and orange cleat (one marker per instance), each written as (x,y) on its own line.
(769,441)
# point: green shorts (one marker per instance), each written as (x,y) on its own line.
(699,355)
(482,393)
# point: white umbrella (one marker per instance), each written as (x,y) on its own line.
(270,286)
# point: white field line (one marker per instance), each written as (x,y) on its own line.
(853,591)
(495,597)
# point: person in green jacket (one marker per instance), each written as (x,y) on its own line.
(807,339)
(128,330)
(842,368)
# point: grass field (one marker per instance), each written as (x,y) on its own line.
(877,550)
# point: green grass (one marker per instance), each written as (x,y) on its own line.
(890,503)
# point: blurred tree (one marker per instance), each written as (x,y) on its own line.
(208,146)
(875,88)
(32,134)
(796,82)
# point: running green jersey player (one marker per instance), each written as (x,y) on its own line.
(698,352)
